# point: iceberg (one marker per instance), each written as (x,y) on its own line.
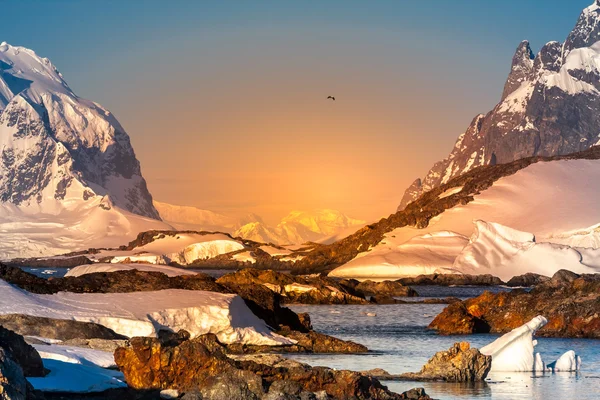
(513,352)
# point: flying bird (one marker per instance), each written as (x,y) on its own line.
(331,97)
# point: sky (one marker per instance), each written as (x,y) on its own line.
(225,102)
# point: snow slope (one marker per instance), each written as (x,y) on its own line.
(556,201)
(183,248)
(145,313)
(103,267)
(195,219)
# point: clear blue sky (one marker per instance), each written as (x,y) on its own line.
(201,84)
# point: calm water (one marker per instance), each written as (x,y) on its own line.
(401,343)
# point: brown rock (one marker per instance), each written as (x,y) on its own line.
(571,304)
(385,288)
(460,363)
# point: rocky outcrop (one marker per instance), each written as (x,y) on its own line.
(384,299)
(527,280)
(570,301)
(385,288)
(60,329)
(22,353)
(460,363)
(452,280)
(201,365)
(296,289)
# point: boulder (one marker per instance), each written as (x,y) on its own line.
(22,353)
(385,288)
(527,280)
(460,363)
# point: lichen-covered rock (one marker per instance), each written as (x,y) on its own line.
(201,365)
(460,363)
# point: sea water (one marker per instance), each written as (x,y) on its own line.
(400,342)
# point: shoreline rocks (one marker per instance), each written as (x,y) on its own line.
(201,364)
(452,280)
(569,300)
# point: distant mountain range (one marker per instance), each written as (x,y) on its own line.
(549,106)
(322,226)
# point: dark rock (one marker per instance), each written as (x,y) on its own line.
(22,353)
(13,385)
(564,276)
(571,307)
(460,363)
(527,280)
(415,394)
(383,299)
(60,329)
(385,288)
(452,280)
(51,262)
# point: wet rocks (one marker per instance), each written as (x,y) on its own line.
(296,289)
(201,365)
(385,288)
(569,300)
(460,363)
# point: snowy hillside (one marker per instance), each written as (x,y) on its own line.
(68,174)
(193,218)
(540,219)
(548,107)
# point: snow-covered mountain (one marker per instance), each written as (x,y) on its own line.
(549,106)
(302,226)
(68,172)
(195,219)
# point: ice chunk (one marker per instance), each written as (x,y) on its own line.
(566,363)
(514,351)
(76,355)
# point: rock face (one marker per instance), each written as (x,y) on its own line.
(546,109)
(389,288)
(295,289)
(22,353)
(201,365)
(13,385)
(571,307)
(460,363)
(60,329)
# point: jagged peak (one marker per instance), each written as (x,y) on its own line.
(521,68)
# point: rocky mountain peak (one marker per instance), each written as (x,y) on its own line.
(521,68)
(549,107)
(56,145)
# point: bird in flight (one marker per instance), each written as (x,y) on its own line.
(331,97)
